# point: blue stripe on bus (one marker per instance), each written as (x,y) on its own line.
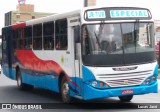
(87,92)
(47,81)
(156,70)
(87,74)
(9,72)
(75,90)
(93,93)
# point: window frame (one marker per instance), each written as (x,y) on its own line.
(28,37)
(50,36)
(61,34)
(37,36)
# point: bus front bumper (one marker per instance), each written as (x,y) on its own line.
(93,93)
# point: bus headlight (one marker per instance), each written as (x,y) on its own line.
(101,84)
(153,78)
(148,81)
(144,83)
(98,84)
(94,83)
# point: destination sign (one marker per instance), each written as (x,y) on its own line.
(128,13)
(117,13)
(96,14)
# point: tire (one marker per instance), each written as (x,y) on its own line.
(20,84)
(65,91)
(125,98)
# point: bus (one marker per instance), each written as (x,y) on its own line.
(92,53)
(157,40)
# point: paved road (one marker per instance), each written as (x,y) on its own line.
(9,93)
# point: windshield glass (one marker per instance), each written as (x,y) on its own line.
(121,42)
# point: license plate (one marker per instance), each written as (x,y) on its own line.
(129,91)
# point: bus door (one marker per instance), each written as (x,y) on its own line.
(76,50)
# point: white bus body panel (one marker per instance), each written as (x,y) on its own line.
(116,78)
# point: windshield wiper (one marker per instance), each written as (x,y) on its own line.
(101,28)
(100,31)
(97,40)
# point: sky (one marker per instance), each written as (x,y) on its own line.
(58,6)
(153,5)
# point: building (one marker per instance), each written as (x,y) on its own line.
(89,3)
(23,13)
(26,12)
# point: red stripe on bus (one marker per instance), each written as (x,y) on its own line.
(30,61)
(19,25)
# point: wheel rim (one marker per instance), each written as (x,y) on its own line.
(65,92)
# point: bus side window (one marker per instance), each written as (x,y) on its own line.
(20,38)
(58,44)
(14,39)
(48,35)
(37,37)
(28,37)
(61,37)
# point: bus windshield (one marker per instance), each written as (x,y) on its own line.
(118,43)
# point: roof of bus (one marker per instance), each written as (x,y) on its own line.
(54,17)
(60,16)
(46,19)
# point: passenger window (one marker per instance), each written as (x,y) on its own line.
(14,32)
(20,38)
(37,37)
(61,34)
(28,37)
(48,35)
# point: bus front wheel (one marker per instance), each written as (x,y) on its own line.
(20,84)
(65,94)
(125,98)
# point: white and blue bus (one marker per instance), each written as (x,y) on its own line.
(91,53)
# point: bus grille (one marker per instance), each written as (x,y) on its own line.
(124,79)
